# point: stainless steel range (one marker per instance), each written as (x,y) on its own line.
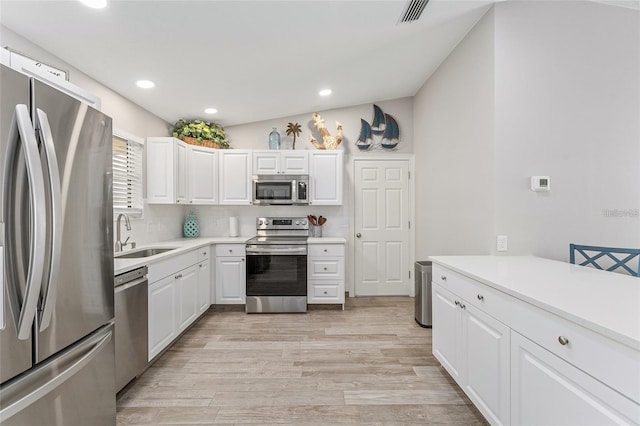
(277,266)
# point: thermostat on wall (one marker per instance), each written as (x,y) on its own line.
(540,183)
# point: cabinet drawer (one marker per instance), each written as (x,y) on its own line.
(316,250)
(169,266)
(611,362)
(203,253)
(223,250)
(326,268)
(326,290)
(493,302)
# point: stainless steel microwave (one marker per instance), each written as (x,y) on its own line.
(280,189)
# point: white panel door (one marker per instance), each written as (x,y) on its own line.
(381,209)
(486,353)
(204,286)
(203,175)
(235,177)
(546,390)
(161,315)
(182,175)
(160,170)
(447,338)
(187,297)
(230,280)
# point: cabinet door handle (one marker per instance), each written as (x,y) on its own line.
(443,277)
(463,306)
(243,259)
(325,250)
(563,340)
(201,265)
(325,269)
(230,251)
(480,297)
(457,302)
(325,292)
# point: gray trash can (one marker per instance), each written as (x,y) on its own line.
(423,292)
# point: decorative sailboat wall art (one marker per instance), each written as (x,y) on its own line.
(383,132)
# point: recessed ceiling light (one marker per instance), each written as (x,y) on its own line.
(210,111)
(325,92)
(95,4)
(145,84)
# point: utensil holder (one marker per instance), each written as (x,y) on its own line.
(316,231)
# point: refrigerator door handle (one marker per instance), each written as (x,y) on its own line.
(22,130)
(50,281)
(20,394)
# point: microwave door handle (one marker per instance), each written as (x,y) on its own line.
(22,130)
(50,282)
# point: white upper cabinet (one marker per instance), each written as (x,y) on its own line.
(178,173)
(325,177)
(166,166)
(288,162)
(203,175)
(235,177)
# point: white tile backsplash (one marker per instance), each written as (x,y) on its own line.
(164,222)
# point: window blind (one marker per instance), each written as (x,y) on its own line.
(127,176)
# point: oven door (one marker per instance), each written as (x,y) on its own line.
(276,271)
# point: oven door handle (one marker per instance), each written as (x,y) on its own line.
(277,251)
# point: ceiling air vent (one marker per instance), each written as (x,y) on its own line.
(414,10)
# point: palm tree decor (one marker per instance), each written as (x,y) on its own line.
(295,130)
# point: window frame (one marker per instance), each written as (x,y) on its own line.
(138,198)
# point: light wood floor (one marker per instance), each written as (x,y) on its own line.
(370,364)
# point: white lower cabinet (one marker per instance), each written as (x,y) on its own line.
(187,291)
(325,274)
(176,297)
(546,390)
(522,365)
(204,285)
(161,315)
(230,274)
(474,348)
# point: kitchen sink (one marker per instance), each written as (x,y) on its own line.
(144,252)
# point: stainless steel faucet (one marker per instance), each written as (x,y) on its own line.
(127,225)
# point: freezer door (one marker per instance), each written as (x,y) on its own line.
(75,387)
(77,295)
(15,354)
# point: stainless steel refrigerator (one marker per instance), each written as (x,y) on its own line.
(56,301)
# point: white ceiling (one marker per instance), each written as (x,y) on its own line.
(252,60)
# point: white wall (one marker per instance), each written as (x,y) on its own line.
(536,88)
(567,106)
(454,136)
(256,135)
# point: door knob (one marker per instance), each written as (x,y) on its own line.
(359,235)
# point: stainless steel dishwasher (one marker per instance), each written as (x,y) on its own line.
(131,332)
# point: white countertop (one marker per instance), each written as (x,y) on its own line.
(605,302)
(185,244)
(182,245)
(326,240)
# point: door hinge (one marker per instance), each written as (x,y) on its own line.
(409,273)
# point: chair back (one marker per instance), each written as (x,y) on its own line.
(607,258)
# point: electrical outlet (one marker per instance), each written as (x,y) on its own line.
(501,243)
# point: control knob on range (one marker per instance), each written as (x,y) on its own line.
(297,222)
(304,222)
